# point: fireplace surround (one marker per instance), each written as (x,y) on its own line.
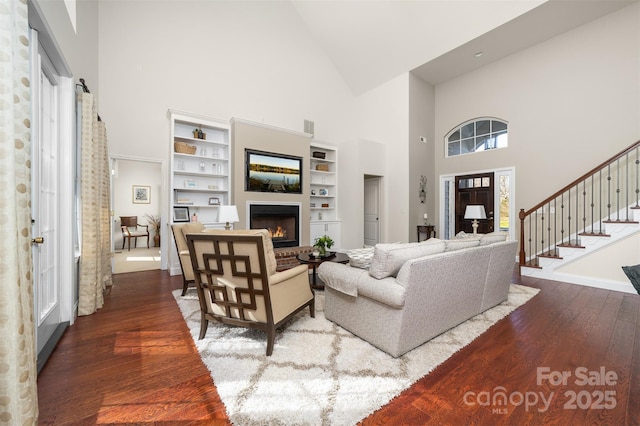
(282,221)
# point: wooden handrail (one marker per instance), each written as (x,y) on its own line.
(581,178)
(523,214)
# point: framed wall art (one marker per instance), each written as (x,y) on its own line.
(141,194)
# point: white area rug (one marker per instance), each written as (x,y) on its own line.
(319,373)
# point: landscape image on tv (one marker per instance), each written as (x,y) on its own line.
(270,172)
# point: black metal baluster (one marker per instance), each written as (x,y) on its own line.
(600,197)
(562,219)
(609,192)
(618,190)
(593,217)
(530,243)
(535,237)
(555,227)
(584,206)
(637,179)
(577,218)
(542,231)
(569,215)
(626,186)
(549,228)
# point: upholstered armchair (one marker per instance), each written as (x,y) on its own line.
(237,283)
(179,231)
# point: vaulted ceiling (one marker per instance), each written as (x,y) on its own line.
(371,42)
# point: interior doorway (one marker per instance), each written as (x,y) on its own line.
(128,177)
(371,204)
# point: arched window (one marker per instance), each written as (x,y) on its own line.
(479,134)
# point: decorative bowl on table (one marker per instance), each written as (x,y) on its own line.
(322,256)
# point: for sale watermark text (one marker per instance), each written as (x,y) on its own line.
(500,400)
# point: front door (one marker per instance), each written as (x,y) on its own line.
(474,189)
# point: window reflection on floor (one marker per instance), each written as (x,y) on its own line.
(138,259)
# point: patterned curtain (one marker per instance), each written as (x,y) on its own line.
(18,373)
(95,256)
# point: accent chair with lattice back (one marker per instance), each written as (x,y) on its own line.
(131,229)
(237,283)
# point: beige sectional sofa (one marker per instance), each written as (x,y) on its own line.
(415,291)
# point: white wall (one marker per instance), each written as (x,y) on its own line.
(355,160)
(571,103)
(79,46)
(383,118)
(421,154)
(605,264)
(252,60)
(255,60)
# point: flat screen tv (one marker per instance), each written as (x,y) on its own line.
(271,172)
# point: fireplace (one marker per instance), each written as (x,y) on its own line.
(281,220)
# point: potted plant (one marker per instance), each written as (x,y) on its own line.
(322,244)
(153,220)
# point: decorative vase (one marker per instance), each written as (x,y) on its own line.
(322,250)
(156,240)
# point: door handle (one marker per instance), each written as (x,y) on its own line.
(37,240)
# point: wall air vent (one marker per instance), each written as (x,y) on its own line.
(308,127)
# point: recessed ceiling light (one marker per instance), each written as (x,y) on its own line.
(478,54)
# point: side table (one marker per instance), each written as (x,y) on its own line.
(429,230)
(314,262)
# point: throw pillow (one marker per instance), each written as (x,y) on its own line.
(389,258)
(493,237)
(633,273)
(458,244)
(360,258)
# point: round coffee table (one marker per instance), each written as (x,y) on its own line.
(309,259)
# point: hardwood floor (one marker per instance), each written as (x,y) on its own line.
(134,363)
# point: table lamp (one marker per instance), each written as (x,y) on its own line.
(228,214)
(475,212)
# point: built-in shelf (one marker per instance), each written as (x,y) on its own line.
(201,177)
(324,196)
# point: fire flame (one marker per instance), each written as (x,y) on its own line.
(280,232)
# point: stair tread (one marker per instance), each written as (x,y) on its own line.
(569,245)
(594,234)
(549,255)
(532,264)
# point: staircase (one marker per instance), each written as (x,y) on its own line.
(599,210)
